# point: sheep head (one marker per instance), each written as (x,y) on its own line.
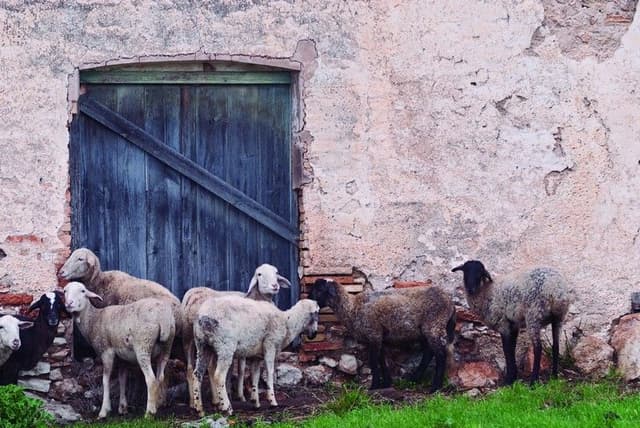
(313,315)
(80,264)
(10,331)
(324,292)
(268,281)
(474,275)
(77,298)
(51,305)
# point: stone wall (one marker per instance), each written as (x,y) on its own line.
(431,132)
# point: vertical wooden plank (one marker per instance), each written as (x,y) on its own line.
(97,175)
(212,120)
(242,256)
(162,120)
(190,238)
(129,187)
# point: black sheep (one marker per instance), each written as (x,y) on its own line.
(36,339)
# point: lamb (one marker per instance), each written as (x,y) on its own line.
(135,332)
(10,328)
(531,299)
(35,339)
(116,287)
(233,325)
(264,284)
(422,314)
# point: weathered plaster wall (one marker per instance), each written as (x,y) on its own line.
(435,131)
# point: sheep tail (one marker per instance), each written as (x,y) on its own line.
(451,335)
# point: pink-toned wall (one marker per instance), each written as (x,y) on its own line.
(433,131)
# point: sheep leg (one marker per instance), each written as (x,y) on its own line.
(211,364)
(441,365)
(427,355)
(122,383)
(144,361)
(202,360)
(255,378)
(189,351)
(374,364)
(555,350)
(269,363)
(107,365)
(220,379)
(242,362)
(509,348)
(537,354)
(384,369)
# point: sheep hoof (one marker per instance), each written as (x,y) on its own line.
(102,414)
(122,409)
(256,404)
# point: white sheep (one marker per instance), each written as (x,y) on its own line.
(532,298)
(233,325)
(10,335)
(136,332)
(116,287)
(264,284)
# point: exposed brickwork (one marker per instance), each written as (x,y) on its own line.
(15,299)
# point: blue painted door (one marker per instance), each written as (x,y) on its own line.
(186,180)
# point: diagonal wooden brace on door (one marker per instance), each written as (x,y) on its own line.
(156,148)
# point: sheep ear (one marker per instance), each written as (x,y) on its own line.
(36,305)
(457,268)
(284,282)
(25,324)
(60,295)
(253,283)
(92,295)
(486,276)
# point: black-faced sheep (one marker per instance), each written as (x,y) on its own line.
(35,339)
(136,332)
(10,335)
(265,283)
(532,299)
(424,315)
(236,326)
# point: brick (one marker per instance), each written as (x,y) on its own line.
(411,284)
(328,318)
(304,357)
(466,315)
(617,19)
(15,299)
(29,238)
(322,346)
(319,338)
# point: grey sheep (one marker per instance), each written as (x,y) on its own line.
(136,332)
(530,299)
(264,284)
(237,326)
(424,315)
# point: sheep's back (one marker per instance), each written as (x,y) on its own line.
(140,322)
(536,295)
(406,314)
(242,323)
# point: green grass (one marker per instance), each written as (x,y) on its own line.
(557,404)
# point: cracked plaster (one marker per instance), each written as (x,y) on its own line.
(433,131)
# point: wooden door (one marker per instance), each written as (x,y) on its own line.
(185,178)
